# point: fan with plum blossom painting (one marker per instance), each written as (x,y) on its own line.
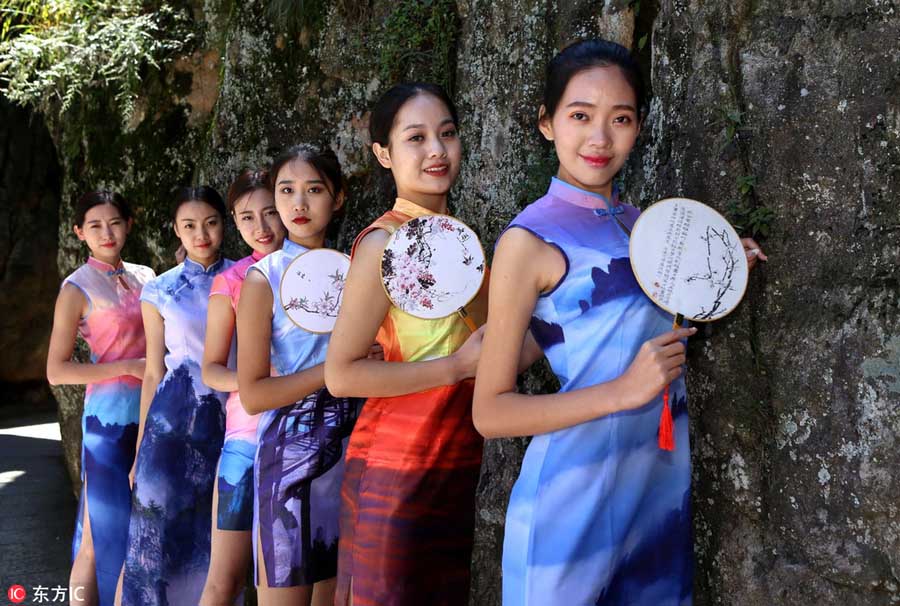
(432,267)
(312,289)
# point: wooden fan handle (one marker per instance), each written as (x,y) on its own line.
(467,319)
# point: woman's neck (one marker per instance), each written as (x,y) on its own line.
(436,203)
(317,241)
(205,263)
(604,189)
(113,260)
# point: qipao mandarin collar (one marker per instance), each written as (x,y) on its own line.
(256,255)
(106,268)
(570,194)
(402,205)
(292,248)
(192,268)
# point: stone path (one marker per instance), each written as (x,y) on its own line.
(37,508)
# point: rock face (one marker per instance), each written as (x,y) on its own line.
(795,399)
(784,115)
(29,207)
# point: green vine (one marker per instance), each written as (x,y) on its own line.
(746,213)
(54,52)
(745,216)
(418,41)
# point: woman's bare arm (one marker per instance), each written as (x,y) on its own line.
(219,334)
(348,369)
(71,306)
(154,332)
(498,410)
(259,390)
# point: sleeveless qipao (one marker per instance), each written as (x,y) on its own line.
(599,514)
(300,454)
(235,473)
(408,510)
(113,330)
(169,534)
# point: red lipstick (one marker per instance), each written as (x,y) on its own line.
(597,161)
(439,170)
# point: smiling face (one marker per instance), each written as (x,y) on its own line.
(424,151)
(104,231)
(258,222)
(199,226)
(594,128)
(304,202)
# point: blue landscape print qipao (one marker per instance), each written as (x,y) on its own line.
(169,533)
(599,515)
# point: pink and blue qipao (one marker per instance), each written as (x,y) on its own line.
(235,476)
(113,330)
(169,534)
(300,458)
(599,515)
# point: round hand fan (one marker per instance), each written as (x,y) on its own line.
(432,267)
(689,260)
(312,287)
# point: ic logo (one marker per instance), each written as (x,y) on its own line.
(16,594)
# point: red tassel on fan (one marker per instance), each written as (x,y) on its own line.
(666,425)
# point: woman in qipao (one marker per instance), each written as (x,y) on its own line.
(182,419)
(101,301)
(303,429)
(252,206)
(408,511)
(600,514)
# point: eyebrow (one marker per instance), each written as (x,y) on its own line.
(291,181)
(215,216)
(624,106)
(443,122)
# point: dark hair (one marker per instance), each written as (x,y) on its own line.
(385,111)
(96,198)
(248,181)
(586,54)
(203,193)
(323,160)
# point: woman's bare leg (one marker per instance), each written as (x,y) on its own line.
(323,592)
(84,568)
(279,596)
(228,561)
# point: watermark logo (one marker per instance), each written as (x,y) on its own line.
(16,594)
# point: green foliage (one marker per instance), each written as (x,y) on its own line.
(733,122)
(746,184)
(53,52)
(418,41)
(293,15)
(747,218)
(642,41)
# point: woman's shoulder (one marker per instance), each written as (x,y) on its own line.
(143,273)
(535,210)
(168,276)
(268,263)
(79,273)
